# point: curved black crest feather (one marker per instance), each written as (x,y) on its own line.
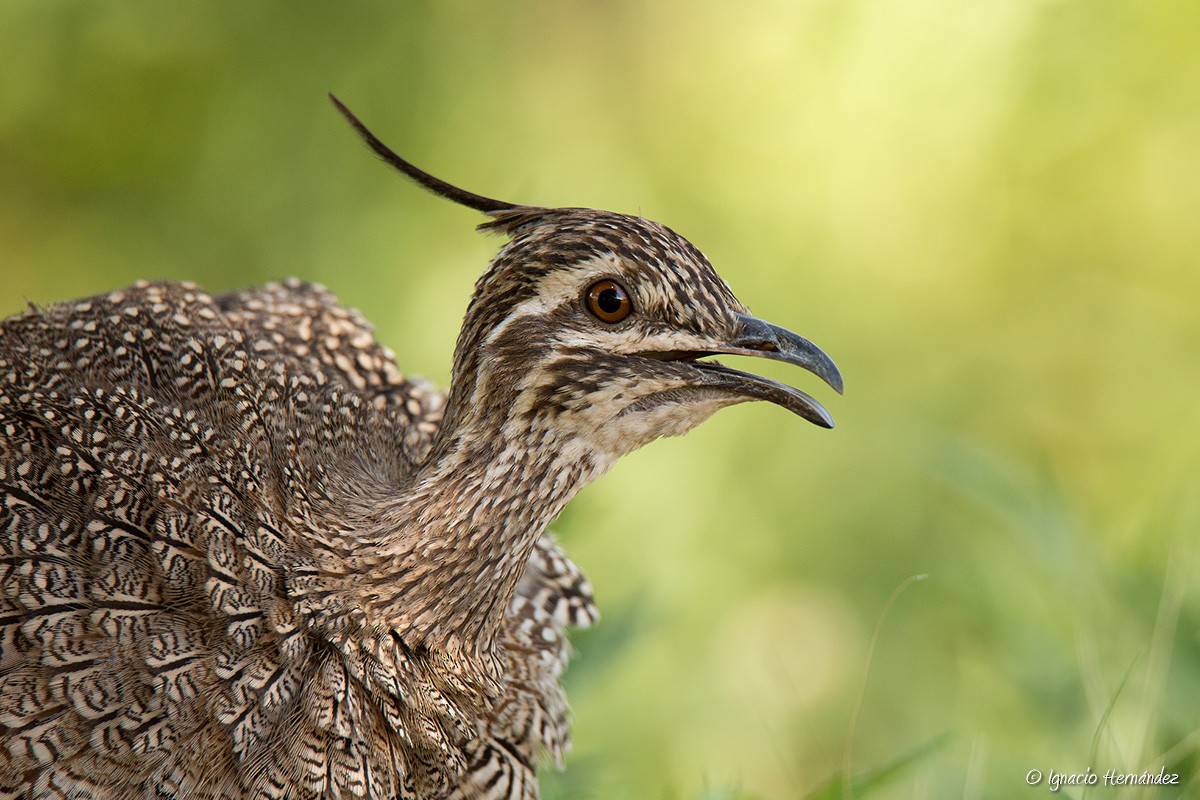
(436,185)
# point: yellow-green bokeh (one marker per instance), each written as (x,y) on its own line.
(986,212)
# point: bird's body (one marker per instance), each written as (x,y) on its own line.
(242,556)
(168,461)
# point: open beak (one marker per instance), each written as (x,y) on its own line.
(764,340)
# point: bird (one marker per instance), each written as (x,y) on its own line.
(242,555)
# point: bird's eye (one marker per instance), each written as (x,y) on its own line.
(609,301)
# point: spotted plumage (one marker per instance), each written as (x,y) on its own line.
(241,555)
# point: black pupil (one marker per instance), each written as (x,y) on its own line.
(609,300)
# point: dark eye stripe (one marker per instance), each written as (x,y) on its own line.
(608,301)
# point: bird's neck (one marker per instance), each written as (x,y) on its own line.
(438,561)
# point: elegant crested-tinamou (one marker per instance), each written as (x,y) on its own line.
(242,556)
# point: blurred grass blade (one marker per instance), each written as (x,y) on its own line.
(872,780)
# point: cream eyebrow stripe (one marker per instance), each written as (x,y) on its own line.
(557,289)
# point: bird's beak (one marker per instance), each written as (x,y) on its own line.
(757,337)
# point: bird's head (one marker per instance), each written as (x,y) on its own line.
(595,328)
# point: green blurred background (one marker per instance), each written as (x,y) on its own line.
(985,211)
